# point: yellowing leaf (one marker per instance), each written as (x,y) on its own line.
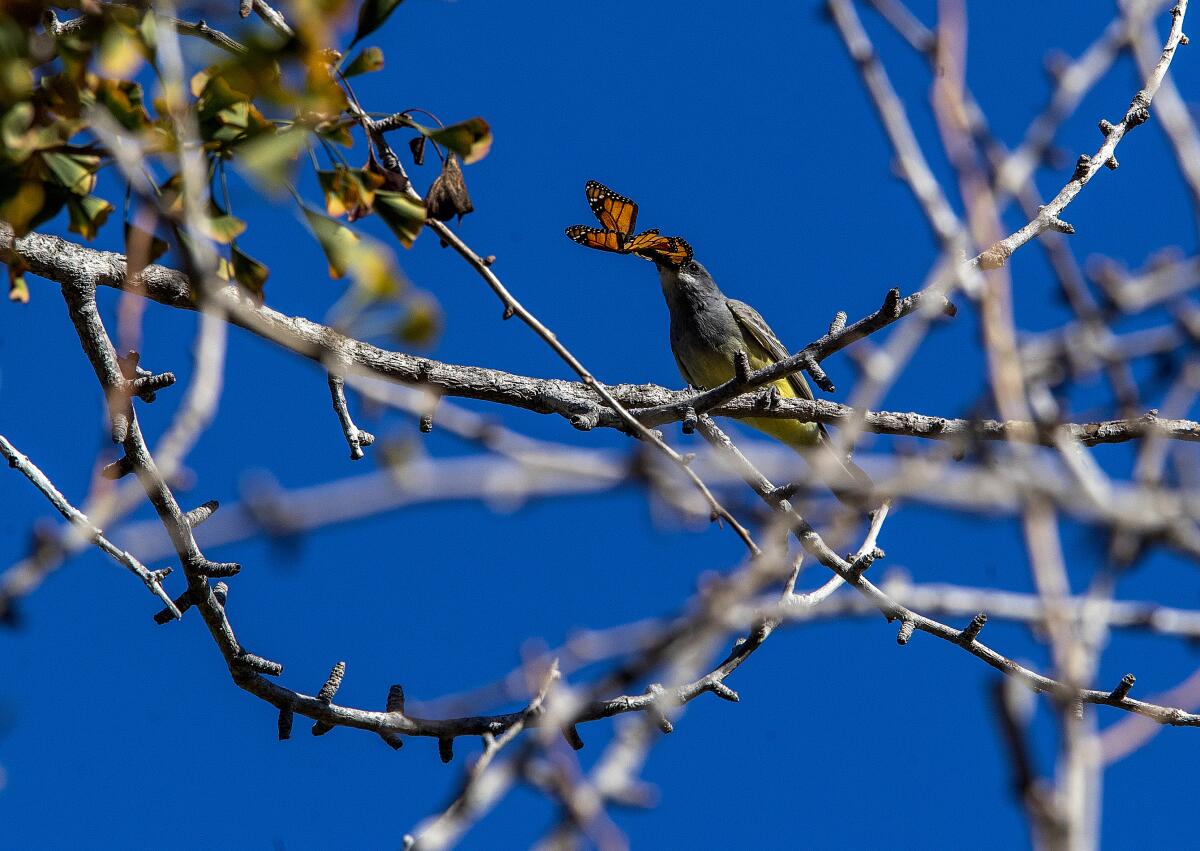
(422,322)
(124,99)
(200,80)
(223,227)
(470,139)
(121,54)
(15,137)
(87,214)
(18,289)
(367,262)
(270,158)
(349,191)
(373,272)
(337,132)
(75,172)
(171,194)
(370,59)
(16,80)
(337,241)
(402,214)
(248,272)
(26,206)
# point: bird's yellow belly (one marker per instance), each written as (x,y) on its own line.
(712,372)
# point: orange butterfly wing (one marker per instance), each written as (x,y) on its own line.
(604,240)
(615,211)
(677,253)
(649,245)
(644,241)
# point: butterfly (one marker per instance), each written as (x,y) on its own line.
(618,216)
(615,211)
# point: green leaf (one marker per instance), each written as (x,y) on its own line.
(76,172)
(337,132)
(223,227)
(422,322)
(25,205)
(15,138)
(124,99)
(87,214)
(121,53)
(371,59)
(371,16)
(470,139)
(337,241)
(248,272)
(374,273)
(270,158)
(402,214)
(367,262)
(16,79)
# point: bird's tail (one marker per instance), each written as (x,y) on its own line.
(848,481)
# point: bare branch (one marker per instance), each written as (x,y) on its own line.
(82,527)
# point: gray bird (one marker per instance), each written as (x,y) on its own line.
(709,330)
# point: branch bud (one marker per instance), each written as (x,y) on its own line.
(325,695)
(1123,687)
(201,513)
(259,665)
(741,367)
(117,469)
(395,699)
(221,570)
(724,692)
(971,632)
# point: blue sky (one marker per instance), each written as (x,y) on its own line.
(745,130)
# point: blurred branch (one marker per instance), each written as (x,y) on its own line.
(852,574)
(1138,113)
(481,786)
(16,582)
(200,29)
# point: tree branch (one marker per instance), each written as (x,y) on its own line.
(79,522)
(70,264)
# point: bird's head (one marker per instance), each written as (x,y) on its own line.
(687,275)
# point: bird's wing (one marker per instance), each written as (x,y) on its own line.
(683,371)
(757,331)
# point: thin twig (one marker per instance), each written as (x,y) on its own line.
(80,523)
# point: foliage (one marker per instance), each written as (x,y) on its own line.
(271,105)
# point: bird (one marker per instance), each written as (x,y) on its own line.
(710,332)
